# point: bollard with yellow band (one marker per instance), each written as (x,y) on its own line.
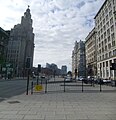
(38,87)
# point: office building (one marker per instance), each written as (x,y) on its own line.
(105,25)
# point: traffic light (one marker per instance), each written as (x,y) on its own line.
(113,66)
(39,68)
(28,63)
(75,70)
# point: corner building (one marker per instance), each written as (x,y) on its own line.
(21,45)
(105,25)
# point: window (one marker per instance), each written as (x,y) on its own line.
(112,28)
(103,20)
(103,64)
(104,34)
(102,49)
(102,57)
(104,27)
(112,36)
(107,24)
(110,62)
(106,10)
(106,63)
(110,54)
(108,32)
(105,41)
(111,21)
(108,38)
(106,48)
(106,17)
(110,13)
(113,43)
(101,24)
(106,55)
(109,46)
(114,52)
(109,6)
(101,30)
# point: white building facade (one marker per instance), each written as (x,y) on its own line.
(105,25)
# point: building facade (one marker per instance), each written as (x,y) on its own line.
(91,54)
(79,60)
(74,60)
(105,25)
(64,70)
(21,45)
(4,37)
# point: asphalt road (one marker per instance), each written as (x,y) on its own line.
(9,88)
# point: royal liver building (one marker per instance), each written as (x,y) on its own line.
(21,45)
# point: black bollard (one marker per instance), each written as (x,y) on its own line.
(46,87)
(31,87)
(100,85)
(64,84)
(27,83)
(82,85)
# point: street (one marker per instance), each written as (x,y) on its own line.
(9,88)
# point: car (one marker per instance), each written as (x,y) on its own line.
(106,81)
(80,78)
(68,78)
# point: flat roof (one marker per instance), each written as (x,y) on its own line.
(100,9)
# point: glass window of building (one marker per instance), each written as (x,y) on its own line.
(112,36)
(110,54)
(112,28)
(113,43)
(110,13)
(111,21)
(114,52)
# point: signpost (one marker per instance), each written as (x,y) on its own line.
(28,67)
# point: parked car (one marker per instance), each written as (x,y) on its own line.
(80,78)
(106,81)
(68,78)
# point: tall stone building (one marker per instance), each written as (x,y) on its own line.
(105,25)
(91,54)
(78,59)
(21,45)
(4,37)
(74,60)
(64,70)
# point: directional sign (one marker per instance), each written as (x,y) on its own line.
(38,87)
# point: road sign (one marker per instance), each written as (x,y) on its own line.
(38,87)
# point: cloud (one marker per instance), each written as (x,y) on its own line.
(57,25)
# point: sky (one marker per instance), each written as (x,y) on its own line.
(57,25)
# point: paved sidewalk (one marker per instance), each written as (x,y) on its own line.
(57,105)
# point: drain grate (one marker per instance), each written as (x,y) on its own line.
(13,102)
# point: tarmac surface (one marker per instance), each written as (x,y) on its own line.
(73,104)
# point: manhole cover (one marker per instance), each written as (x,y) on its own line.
(13,102)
